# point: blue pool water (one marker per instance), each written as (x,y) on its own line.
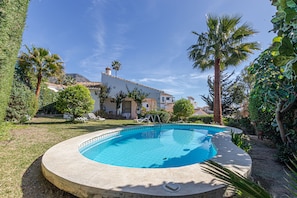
(154,146)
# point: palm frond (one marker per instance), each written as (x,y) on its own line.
(223,40)
(243,31)
(292,176)
(234,180)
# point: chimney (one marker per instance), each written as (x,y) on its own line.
(108,71)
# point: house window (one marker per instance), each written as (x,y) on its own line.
(167,98)
(163,99)
(126,107)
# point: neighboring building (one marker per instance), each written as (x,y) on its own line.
(192,100)
(200,111)
(156,99)
(167,102)
(149,104)
(55,87)
(207,110)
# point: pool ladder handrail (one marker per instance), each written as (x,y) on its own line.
(153,118)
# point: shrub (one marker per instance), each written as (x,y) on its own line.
(261,117)
(243,123)
(22,104)
(206,119)
(75,100)
(241,140)
(164,115)
(285,152)
(47,101)
(246,126)
(183,108)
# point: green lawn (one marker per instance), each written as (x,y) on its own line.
(21,149)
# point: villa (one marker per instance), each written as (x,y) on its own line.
(155,100)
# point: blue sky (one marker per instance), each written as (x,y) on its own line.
(149,37)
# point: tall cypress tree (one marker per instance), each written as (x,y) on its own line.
(232,93)
(12,22)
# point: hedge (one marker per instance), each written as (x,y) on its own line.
(206,119)
(12,21)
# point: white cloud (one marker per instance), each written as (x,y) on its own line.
(201,75)
(167,79)
(109,39)
(174,92)
(100,38)
(98,2)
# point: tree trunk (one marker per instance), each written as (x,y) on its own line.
(101,106)
(279,121)
(38,86)
(138,109)
(217,94)
(117,108)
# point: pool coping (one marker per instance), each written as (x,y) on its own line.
(66,168)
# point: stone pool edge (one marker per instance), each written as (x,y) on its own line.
(67,169)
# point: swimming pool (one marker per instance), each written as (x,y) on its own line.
(65,167)
(161,146)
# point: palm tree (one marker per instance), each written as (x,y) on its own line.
(41,64)
(223,45)
(116,65)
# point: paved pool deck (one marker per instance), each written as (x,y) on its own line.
(66,168)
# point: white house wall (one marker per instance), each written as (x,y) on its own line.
(118,84)
(95,96)
(110,108)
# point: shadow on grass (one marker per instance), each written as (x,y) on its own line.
(47,120)
(90,126)
(94,128)
(34,185)
(43,123)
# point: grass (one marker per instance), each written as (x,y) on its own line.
(22,146)
(4,131)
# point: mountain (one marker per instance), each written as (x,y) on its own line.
(78,77)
